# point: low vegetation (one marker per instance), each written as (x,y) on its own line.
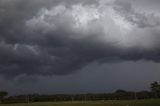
(151,102)
(117,98)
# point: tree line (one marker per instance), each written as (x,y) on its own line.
(117,95)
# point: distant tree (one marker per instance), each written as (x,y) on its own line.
(2,95)
(144,95)
(120,94)
(155,88)
(120,91)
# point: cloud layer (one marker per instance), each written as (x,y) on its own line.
(58,37)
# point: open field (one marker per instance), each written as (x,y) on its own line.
(155,102)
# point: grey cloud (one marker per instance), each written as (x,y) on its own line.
(36,45)
(141,19)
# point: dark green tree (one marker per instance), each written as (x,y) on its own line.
(155,88)
(2,95)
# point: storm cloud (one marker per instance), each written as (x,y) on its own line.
(59,37)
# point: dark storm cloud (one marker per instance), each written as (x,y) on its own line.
(58,37)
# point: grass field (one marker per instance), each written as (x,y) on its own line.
(155,102)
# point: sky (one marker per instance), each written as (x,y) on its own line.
(78,46)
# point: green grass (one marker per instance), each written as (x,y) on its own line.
(151,102)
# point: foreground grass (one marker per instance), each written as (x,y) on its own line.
(152,102)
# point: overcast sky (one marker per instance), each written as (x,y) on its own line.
(78,46)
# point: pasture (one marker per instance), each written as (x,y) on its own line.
(151,102)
